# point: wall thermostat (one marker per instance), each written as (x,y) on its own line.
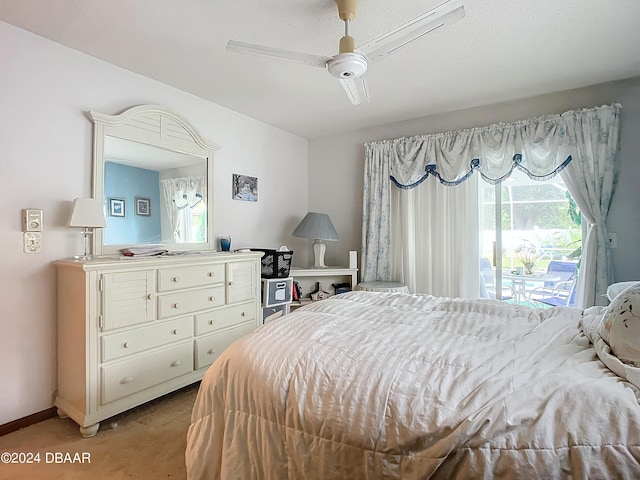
(31,220)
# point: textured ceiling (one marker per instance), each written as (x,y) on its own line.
(501,50)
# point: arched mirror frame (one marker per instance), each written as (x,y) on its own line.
(158,127)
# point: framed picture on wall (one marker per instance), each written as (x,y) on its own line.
(116,207)
(244,187)
(143,206)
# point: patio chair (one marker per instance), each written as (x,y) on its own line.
(563,294)
(560,292)
(488,282)
(565,270)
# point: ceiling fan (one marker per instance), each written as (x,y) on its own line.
(350,64)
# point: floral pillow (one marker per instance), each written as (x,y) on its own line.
(616,289)
(620,327)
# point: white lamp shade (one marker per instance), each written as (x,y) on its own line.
(317,226)
(87,212)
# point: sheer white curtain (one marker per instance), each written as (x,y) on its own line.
(436,227)
(540,147)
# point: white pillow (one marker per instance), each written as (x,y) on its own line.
(616,289)
(620,326)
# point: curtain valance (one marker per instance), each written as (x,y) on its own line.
(540,147)
(185,191)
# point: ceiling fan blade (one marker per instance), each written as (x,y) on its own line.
(386,44)
(356,89)
(305,58)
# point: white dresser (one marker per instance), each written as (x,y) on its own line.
(133,329)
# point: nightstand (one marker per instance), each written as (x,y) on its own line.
(352,273)
(308,277)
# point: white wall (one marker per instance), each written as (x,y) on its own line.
(45,155)
(336,164)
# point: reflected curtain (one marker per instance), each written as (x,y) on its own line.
(540,147)
(180,195)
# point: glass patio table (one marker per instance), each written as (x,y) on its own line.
(519,281)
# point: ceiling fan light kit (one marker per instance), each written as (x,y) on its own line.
(350,65)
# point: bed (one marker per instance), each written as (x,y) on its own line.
(369,385)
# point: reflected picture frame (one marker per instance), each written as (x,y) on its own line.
(116,207)
(143,206)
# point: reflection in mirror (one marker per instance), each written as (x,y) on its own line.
(154,174)
(165,191)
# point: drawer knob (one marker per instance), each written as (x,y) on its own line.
(211,322)
(175,279)
(212,274)
(211,351)
(230,283)
(175,331)
(126,380)
(175,363)
(175,305)
(125,344)
(150,296)
(243,314)
(212,298)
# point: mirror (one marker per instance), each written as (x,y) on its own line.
(153,172)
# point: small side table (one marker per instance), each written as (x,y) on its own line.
(352,273)
(308,277)
(383,287)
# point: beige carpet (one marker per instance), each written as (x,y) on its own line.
(147,442)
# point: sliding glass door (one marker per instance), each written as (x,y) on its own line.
(525,225)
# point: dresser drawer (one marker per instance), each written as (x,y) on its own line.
(188,277)
(118,345)
(134,375)
(225,317)
(209,347)
(173,304)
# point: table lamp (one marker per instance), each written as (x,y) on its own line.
(319,227)
(88,214)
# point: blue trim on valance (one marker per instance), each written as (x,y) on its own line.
(414,184)
(475,165)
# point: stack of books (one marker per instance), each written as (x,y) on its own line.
(144,251)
